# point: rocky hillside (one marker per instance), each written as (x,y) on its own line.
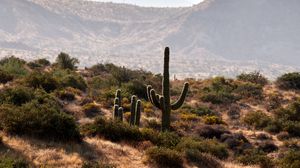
(215,37)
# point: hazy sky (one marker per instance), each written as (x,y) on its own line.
(157,3)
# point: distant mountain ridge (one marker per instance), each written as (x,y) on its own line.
(216,37)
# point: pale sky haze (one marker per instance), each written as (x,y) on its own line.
(156,3)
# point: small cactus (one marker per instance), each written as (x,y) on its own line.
(137,113)
(120,113)
(135,109)
(117,109)
(163,101)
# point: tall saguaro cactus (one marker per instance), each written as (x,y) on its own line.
(163,101)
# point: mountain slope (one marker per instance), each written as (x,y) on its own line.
(215,37)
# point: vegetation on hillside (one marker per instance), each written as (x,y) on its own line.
(248,120)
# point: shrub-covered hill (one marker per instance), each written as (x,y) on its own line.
(56,115)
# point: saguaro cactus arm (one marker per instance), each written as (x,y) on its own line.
(182,97)
(154,98)
(118,95)
(149,88)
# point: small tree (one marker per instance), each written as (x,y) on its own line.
(64,61)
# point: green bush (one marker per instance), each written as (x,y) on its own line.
(288,119)
(64,61)
(165,157)
(13,66)
(249,90)
(165,139)
(42,117)
(210,146)
(91,109)
(267,146)
(220,91)
(41,80)
(66,95)
(9,162)
(42,61)
(74,81)
(253,77)
(212,120)
(68,78)
(91,164)
(5,77)
(17,95)
(289,81)
(114,130)
(290,160)
(200,111)
(257,119)
(211,131)
(255,157)
(202,159)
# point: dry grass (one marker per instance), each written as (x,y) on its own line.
(233,165)
(51,154)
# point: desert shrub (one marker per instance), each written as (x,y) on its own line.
(41,80)
(289,81)
(211,131)
(200,111)
(210,146)
(64,61)
(249,90)
(211,120)
(166,139)
(91,164)
(13,66)
(10,162)
(189,117)
(164,157)
(137,87)
(289,118)
(33,65)
(68,78)
(42,117)
(91,109)
(153,124)
(267,146)
(253,77)
(202,159)
(17,95)
(121,75)
(291,159)
(257,119)
(234,112)
(114,130)
(5,77)
(255,157)
(237,142)
(283,136)
(263,136)
(65,95)
(74,81)
(274,101)
(161,139)
(42,61)
(219,92)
